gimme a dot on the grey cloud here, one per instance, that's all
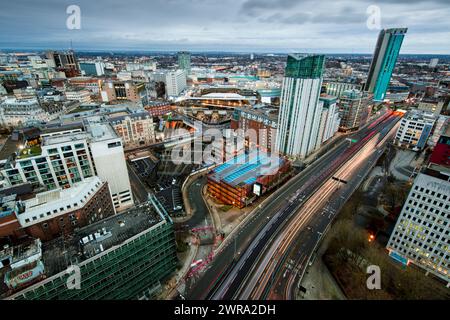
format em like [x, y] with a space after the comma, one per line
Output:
[251, 24]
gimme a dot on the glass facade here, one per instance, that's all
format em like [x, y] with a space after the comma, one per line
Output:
[133, 269]
[304, 66]
[184, 61]
[383, 63]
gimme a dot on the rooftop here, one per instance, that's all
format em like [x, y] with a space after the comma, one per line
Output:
[267, 112]
[246, 168]
[97, 238]
[420, 115]
[17, 255]
[99, 128]
[49, 204]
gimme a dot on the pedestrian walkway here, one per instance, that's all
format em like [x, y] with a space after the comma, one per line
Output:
[180, 275]
[319, 282]
[401, 167]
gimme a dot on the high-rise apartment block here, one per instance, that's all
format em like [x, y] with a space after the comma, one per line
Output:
[354, 108]
[383, 62]
[184, 61]
[329, 120]
[300, 110]
[61, 158]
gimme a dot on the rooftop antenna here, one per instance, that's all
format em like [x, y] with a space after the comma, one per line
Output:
[71, 49]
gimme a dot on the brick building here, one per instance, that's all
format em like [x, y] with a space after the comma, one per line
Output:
[58, 212]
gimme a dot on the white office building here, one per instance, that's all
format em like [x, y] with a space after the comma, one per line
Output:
[414, 130]
[422, 233]
[300, 110]
[175, 81]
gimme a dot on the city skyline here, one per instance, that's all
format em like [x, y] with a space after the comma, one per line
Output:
[225, 150]
[282, 26]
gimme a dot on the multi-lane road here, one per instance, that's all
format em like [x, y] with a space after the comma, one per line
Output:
[238, 270]
[291, 251]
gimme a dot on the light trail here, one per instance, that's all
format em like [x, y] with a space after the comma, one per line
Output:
[257, 284]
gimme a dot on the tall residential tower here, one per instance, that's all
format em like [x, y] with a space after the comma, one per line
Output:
[184, 61]
[300, 110]
[383, 61]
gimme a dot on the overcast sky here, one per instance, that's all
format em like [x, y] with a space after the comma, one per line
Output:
[224, 25]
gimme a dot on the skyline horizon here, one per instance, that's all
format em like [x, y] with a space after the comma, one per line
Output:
[197, 51]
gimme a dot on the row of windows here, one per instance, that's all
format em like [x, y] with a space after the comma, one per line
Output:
[61, 209]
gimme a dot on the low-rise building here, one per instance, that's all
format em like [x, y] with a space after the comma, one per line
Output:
[16, 113]
[431, 105]
[336, 88]
[241, 180]
[174, 80]
[92, 84]
[158, 108]
[330, 120]
[92, 68]
[113, 90]
[50, 214]
[136, 129]
[259, 121]
[20, 266]
[441, 126]
[81, 95]
[441, 152]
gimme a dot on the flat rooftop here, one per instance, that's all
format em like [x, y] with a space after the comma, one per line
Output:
[64, 138]
[100, 129]
[246, 168]
[268, 112]
[98, 237]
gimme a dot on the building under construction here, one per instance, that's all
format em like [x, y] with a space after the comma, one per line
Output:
[125, 256]
[244, 178]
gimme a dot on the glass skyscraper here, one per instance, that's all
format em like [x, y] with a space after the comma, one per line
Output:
[383, 62]
[184, 61]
